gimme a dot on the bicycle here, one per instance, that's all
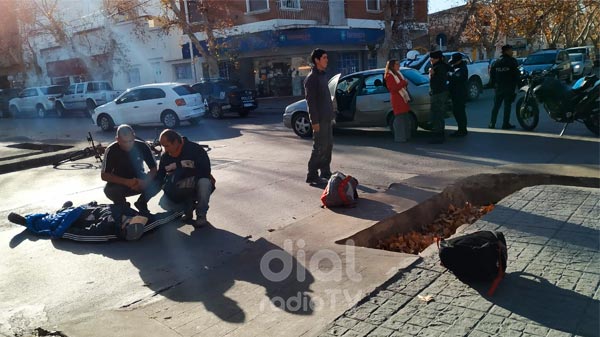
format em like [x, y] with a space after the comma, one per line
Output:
[156, 147]
[95, 150]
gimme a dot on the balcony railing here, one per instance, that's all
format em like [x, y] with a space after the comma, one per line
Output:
[313, 10]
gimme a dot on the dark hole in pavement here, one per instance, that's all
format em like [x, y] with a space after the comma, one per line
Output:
[39, 147]
[482, 189]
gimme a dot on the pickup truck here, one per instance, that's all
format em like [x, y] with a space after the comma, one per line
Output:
[86, 96]
[479, 76]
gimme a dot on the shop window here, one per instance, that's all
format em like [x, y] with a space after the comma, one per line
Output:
[373, 5]
[348, 63]
[290, 4]
[133, 76]
[257, 5]
[183, 71]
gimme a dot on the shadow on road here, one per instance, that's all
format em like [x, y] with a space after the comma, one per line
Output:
[203, 265]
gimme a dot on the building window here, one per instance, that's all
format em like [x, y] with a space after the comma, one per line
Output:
[224, 69]
[133, 76]
[290, 4]
[348, 63]
[195, 8]
[257, 5]
[183, 71]
[373, 5]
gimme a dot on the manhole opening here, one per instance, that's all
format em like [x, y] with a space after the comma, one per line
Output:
[415, 229]
[39, 147]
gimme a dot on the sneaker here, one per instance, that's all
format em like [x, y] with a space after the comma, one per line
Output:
[315, 180]
[187, 216]
[16, 218]
[200, 221]
[507, 126]
[67, 204]
[325, 175]
[142, 208]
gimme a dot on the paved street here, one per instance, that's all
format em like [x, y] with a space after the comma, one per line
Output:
[260, 168]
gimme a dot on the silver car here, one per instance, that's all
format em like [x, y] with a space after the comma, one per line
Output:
[361, 99]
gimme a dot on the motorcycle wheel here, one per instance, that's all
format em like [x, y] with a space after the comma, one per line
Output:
[528, 114]
[593, 123]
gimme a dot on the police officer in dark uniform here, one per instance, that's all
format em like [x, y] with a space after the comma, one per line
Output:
[438, 75]
[504, 75]
[458, 93]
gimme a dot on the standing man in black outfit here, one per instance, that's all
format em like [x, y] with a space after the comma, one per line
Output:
[504, 75]
[458, 93]
[123, 170]
[438, 75]
[320, 111]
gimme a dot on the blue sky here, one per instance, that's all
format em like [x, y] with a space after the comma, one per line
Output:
[438, 5]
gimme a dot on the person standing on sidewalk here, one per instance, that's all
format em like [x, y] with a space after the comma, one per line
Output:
[123, 170]
[320, 111]
[458, 93]
[438, 75]
[396, 84]
[504, 76]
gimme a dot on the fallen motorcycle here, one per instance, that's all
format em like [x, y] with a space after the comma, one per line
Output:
[564, 104]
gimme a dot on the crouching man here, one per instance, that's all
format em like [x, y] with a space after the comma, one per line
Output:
[184, 173]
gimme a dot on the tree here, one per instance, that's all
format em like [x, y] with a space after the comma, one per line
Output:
[398, 19]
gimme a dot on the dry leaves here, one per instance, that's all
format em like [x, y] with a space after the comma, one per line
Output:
[442, 227]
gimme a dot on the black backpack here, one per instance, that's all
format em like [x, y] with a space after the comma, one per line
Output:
[475, 257]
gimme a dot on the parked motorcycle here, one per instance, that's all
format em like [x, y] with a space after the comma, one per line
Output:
[564, 104]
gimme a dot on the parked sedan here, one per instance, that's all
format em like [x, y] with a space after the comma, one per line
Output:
[224, 96]
[361, 99]
[168, 103]
[36, 100]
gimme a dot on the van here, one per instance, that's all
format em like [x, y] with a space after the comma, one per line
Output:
[589, 52]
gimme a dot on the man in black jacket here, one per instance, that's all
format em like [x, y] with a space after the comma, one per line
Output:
[504, 75]
[438, 75]
[458, 93]
[184, 173]
[320, 111]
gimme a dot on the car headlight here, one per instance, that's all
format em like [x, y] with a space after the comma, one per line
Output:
[577, 66]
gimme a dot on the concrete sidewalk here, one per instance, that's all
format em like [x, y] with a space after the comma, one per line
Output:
[551, 287]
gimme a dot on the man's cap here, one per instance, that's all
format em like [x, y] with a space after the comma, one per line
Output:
[436, 54]
[506, 47]
[456, 57]
[133, 231]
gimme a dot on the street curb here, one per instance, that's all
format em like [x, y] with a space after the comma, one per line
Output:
[39, 160]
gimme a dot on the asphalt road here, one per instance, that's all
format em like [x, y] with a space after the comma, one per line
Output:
[260, 167]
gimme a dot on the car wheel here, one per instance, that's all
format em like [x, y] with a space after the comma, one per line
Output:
[105, 123]
[474, 88]
[243, 113]
[60, 110]
[216, 111]
[41, 112]
[170, 119]
[301, 125]
[89, 107]
[13, 111]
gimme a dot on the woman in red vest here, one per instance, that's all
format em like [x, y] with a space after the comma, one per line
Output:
[397, 84]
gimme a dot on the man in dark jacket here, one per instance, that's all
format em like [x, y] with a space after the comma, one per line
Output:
[504, 75]
[438, 75]
[320, 111]
[458, 93]
[184, 173]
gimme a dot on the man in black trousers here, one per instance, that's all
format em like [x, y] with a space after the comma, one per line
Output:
[458, 93]
[504, 76]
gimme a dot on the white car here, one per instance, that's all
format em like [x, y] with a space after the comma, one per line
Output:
[35, 100]
[167, 103]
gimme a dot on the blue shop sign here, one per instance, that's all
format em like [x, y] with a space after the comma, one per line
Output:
[317, 37]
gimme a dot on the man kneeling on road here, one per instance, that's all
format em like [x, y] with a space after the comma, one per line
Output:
[184, 173]
[123, 170]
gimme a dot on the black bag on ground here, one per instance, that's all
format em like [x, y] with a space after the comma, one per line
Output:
[479, 256]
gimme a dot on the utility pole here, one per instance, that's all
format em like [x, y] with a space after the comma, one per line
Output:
[187, 21]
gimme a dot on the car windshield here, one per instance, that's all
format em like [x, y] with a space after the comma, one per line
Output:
[414, 76]
[183, 90]
[540, 59]
[576, 57]
[53, 90]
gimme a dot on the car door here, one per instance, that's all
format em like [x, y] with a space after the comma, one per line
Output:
[372, 101]
[69, 97]
[29, 99]
[150, 106]
[79, 97]
[124, 107]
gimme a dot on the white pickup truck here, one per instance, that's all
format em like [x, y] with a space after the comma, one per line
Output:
[86, 96]
[478, 72]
